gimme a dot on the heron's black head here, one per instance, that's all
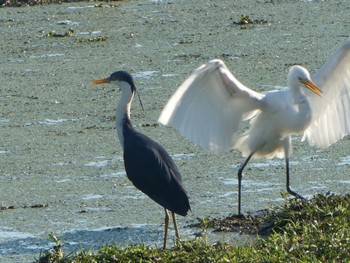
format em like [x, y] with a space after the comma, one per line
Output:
[120, 78]
[122, 75]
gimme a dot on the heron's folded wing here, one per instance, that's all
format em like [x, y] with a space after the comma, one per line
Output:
[209, 106]
[331, 112]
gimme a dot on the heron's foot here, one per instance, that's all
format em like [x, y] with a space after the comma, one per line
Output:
[177, 242]
[290, 191]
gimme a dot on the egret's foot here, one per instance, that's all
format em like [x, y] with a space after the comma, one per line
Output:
[240, 216]
[290, 191]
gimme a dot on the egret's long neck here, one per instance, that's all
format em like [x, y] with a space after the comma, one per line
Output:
[302, 107]
[123, 111]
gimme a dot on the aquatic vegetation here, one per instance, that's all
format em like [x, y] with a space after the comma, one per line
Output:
[70, 32]
[101, 5]
[91, 40]
[246, 21]
[316, 230]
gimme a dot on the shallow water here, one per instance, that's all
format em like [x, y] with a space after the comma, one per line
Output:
[61, 165]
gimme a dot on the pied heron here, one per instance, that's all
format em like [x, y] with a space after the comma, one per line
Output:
[147, 164]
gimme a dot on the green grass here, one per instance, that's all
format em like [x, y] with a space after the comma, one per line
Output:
[316, 230]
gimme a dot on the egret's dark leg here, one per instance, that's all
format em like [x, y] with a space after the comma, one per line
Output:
[290, 191]
[175, 226]
[240, 174]
[166, 228]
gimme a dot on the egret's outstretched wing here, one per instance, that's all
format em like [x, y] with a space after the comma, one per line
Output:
[209, 106]
[331, 112]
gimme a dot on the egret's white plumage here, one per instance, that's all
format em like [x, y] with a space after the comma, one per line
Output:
[331, 115]
[210, 105]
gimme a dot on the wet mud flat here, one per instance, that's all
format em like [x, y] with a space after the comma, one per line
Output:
[61, 164]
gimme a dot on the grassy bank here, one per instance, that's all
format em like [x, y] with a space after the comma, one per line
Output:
[316, 230]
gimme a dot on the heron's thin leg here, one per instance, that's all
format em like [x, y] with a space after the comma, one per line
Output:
[166, 228]
[290, 191]
[240, 174]
[176, 229]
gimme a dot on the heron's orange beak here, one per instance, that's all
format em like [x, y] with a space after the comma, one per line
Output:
[311, 86]
[99, 81]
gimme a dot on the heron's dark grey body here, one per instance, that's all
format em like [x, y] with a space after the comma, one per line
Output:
[150, 168]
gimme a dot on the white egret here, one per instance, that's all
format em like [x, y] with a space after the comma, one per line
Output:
[210, 105]
[147, 164]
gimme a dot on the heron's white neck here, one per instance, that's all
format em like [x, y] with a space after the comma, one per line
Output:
[123, 110]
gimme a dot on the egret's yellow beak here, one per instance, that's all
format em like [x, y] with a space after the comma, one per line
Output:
[311, 86]
[99, 81]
